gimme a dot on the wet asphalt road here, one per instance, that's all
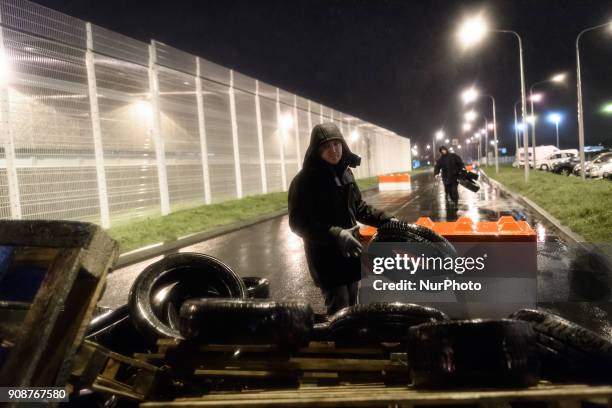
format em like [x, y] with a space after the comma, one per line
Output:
[271, 250]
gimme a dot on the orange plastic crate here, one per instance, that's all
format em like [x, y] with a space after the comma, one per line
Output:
[506, 229]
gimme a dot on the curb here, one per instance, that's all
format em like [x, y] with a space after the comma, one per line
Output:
[161, 248]
[565, 232]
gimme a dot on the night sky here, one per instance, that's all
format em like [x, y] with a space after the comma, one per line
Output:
[393, 63]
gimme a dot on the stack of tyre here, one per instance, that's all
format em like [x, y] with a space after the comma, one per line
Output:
[199, 299]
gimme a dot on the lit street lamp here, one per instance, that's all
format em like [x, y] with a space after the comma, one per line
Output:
[439, 135]
[467, 127]
[471, 32]
[555, 118]
[534, 97]
[579, 88]
[469, 96]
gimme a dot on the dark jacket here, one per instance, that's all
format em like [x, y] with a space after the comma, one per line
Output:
[450, 164]
[323, 200]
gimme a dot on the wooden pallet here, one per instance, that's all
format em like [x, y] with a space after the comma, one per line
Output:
[104, 371]
[320, 362]
[76, 257]
[378, 395]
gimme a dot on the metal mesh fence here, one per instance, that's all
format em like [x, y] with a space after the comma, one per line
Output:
[97, 126]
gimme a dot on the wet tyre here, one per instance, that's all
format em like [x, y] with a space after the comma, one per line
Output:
[426, 242]
[569, 352]
[473, 353]
[400, 231]
[375, 323]
[257, 288]
[234, 321]
[159, 291]
[114, 330]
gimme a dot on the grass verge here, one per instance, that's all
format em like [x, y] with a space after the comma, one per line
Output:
[585, 207]
[150, 230]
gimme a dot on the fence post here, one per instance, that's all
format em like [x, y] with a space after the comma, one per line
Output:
[309, 120]
[297, 133]
[96, 129]
[281, 140]
[202, 131]
[6, 135]
[160, 150]
[262, 157]
[235, 136]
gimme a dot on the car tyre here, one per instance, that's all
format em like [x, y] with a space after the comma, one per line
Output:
[257, 288]
[236, 321]
[587, 350]
[476, 353]
[163, 286]
[375, 323]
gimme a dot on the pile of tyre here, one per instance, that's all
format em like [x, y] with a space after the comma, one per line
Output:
[200, 300]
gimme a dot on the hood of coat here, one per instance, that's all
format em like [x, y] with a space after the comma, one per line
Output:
[323, 133]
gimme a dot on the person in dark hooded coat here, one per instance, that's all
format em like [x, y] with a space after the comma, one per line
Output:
[324, 207]
[451, 165]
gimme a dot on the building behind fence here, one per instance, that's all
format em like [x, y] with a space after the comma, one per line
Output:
[98, 126]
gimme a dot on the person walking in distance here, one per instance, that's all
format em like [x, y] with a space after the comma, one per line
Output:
[450, 164]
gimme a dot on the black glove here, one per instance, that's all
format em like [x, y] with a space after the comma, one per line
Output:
[349, 245]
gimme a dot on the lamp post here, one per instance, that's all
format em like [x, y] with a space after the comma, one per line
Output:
[558, 78]
[470, 95]
[555, 118]
[579, 92]
[471, 32]
[516, 129]
[439, 135]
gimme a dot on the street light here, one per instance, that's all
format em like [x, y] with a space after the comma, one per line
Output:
[556, 119]
[470, 116]
[439, 135]
[534, 97]
[467, 127]
[579, 88]
[469, 96]
[607, 108]
[473, 31]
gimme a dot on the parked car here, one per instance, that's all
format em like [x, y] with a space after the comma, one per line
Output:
[549, 161]
[600, 165]
[589, 155]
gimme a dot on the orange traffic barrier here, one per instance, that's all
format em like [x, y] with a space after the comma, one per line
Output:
[506, 229]
[394, 178]
[392, 182]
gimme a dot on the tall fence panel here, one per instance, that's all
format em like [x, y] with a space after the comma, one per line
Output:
[126, 120]
[98, 126]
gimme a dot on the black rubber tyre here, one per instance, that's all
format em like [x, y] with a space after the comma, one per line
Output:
[161, 288]
[115, 331]
[581, 354]
[375, 323]
[106, 319]
[400, 231]
[257, 288]
[473, 353]
[427, 242]
[233, 321]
